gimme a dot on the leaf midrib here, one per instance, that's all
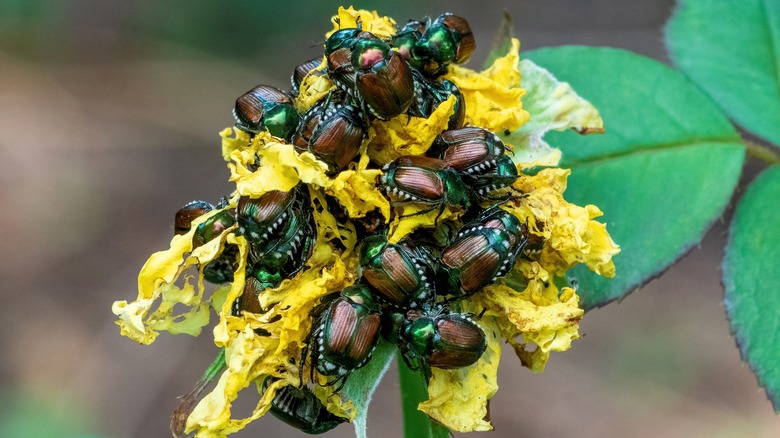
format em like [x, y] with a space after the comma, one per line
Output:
[773, 36]
[653, 148]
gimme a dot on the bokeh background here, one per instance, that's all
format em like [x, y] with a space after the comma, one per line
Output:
[109, 114]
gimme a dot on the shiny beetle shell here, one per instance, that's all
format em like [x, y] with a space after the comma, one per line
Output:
[383, 79]
[503, 175]
[338, 56]
[398, 275]
[301, 409]
[213, 227]
[405, 39]
[430, 93]
[260, 218]
[445, 340]
[266, 107]
[423, 180]
[475, 259]
[191, 211]
[346, 332]
[469, 150]
[300, 72]
[287, 252]
[447, 39]
[333, 132]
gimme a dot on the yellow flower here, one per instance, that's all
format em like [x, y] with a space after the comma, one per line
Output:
[525, 308]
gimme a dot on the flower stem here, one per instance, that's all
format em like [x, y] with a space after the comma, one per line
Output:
[766, 154]
[414, 389]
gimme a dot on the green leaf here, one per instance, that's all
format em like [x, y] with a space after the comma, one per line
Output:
[502, 42]
[731, 48]
[662, 173]
[414, 390]
[750, 278]
[362, 383]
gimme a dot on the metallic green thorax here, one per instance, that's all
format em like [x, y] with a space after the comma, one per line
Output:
[280, 119]
[213, 227]
[441, 339]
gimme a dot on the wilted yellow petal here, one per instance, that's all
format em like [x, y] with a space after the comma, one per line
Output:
[280, 168]
[571, 235]
[410, 218]
[314, 87]
[493, 96]
[553, 105]
[407, 135]
[156, 280]
[233, 140]
[370, 21]
[537, 314]
[356, 190]
[458, 398]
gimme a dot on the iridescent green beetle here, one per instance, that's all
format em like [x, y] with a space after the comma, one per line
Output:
[301, 409]
[405, 39]
[430, 93]
[263, 217]
[383, 79]
[287, 252]
[436, 338]
[266, 107]
[344, 333]
[447, 39]
[400, 275]
[333, 131]
[191, 211]
[221, 269]
[423, 180]
[475, 259]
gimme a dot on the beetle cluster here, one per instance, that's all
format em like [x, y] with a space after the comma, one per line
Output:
[408, 292]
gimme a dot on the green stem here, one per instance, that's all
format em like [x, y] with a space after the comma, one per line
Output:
[414, 389]
[766, 154]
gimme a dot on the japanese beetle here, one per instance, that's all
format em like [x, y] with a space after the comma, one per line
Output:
[430, 93]
[476, 258]
[257, 280]
[191, 211]
[288, 252]
[260, 218]
[405, 39]
[333, 131]
[345, 332]
[440, 339]
[400, 275]
[447, 39]
[301, 409]
[423, 180]
[495, 217]
[213, 227]
[266, 107]
[338, 56]
[470, 150]
[382, 78]
[503, 175]
[300, 72]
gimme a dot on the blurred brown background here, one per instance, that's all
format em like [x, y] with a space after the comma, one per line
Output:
[109, 114]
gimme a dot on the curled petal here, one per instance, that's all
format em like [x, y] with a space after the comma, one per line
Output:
[553, 105]
[370, 21]
[156, 282]
[493, 96]
[407, 135]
